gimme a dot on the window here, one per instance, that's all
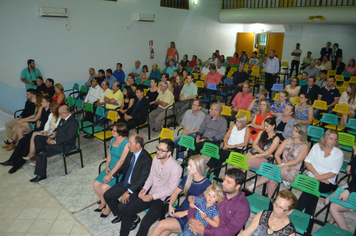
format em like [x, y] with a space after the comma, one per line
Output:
[180, 4]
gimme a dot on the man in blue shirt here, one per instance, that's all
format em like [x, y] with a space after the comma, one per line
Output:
[330, 95]
[119, 73]
[30, 74]
[110, 78]
[171, 68]
[137, 70]
[271, 70]
[155, 74]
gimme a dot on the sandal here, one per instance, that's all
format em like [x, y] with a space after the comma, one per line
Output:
[8, 142]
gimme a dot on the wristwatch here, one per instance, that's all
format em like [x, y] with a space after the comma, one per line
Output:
[128, 192]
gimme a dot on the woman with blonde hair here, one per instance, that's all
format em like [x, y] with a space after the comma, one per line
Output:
[277, 107]
[193, 184]
[257, 124]
[323, 162]
[59, 96]
[349, 98]
[289, 157]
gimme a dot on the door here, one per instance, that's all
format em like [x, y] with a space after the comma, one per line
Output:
[245, 43]
[275, 41]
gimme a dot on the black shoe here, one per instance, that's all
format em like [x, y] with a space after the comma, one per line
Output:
[116, 220]
[182, 149]
[38, 179]
[99, 210]
[135, 223]
[7, 163]
[102, 215]
[88, 136]
[36, 157]
[12, 170]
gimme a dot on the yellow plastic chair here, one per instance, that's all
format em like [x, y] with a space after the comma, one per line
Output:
[145, 92]
[319, 104]
[185, 81]
[202, 77]
[276, 97]
[246, 68]
[299, 77]
[284, 66]
[257, 68]
[345, 84]
[331, 73]
[352, 80]
[226, 111]
[244, 112]
[341, 89]
[200, 84]
[166, 134]
[296, 101]
[317, 78]
[231, 72]
[196, 75]
[339, 78]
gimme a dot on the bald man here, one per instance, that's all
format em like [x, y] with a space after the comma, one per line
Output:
[137, 70]
[155, 73]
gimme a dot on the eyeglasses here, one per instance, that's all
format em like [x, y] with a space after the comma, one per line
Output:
[279, 207]
[160, 150]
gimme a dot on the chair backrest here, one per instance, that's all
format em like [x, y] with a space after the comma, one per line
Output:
[306, 184]
[147, 82]
[210, 150]
[331, 72]
[244, 112]
[211, 86]
[228, 81]
[235, 66]
[339, 78]
[276, 97]
[319, 104]
[79, 103]
[296, 101]
[189, 69]
[246, 68]
[255, 68]
[123, 86]
[238, 160]
[84, 89]
[349, 203]
[330, 119]
[145, 92]
[225, 64]
[112, 115]
[351, 124]
[341, 89]
[255, 73]
[166, 134]
[199, 84]
[315, 131]
[346, 139]
[228, 58]
[196, 75]
[70, 101]
[202, 77]
[187, 142]
[138, 81]
[270, 171]
[226, 111]
[341, 108]
[284, 64]
[89, 107]
[100, 111]
[345, 84]
[75, 86]
[346, 74]
[159, 69]
[277, 87]
[352, 80]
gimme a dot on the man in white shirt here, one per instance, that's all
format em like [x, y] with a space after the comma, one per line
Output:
[94, 92]
[296, 59]
[206, 68]
[271, 69]
[214, 59]
[220, 69]
[254, 60]
[105, 87]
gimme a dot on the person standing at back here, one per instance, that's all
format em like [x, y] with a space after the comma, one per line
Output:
[30, 74]
[271, 69]
[296, 59]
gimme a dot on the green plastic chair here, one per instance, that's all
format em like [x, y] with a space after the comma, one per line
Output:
[329, 119]
[238, 160]
[138, 81]
[79, 105]
[259, 202]
[122, 87]
[189, 69]
[88, 108]
[351, 124]
[235, 66]
[76, 87]
[226, 64]
[147, 82]
[84, 89]
[331, 230]
[187, 142]
[92, 128]
[315, 133]
[346, 141]
[210, 150]
[303, 222]
[159, 69]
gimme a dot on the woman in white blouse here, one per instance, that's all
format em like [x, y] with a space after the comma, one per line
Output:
[324, 162]
[293, 89]
[349, 98]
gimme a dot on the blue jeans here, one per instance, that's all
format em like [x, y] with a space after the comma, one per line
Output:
[317, 112]
[176, 140]
[188, 232]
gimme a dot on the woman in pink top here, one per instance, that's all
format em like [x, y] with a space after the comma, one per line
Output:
[234, 60]
[172, 51]
[351, 67]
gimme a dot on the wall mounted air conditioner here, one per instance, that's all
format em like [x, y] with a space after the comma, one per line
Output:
[145, 17]
[53, 12]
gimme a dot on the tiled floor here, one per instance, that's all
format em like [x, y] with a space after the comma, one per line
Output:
[63, 205]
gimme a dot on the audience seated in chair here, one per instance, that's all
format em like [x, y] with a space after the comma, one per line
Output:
[349, 98]
[184, 62]
[145, 75]
[171, 68]
[59, 96]
[206, 69]
[101, 76]
[114, 99]
[105, 91]
[164, 101]
[264, 145]
[311, 89]
[187, 94]
[119, 74]
[304, 111]
[40, 85]
[155, 73]
[323, 79]
[92, 75]
[239, 77]
[242, 100]
[293, 89]
[255, 104]
[177, 88]
[214, 60]
[198, 68]
[65, 133]
[110, 78]
[323, 163]
[165, 78]
[49, 88]
[116, 157]
[307, 60]
[289, 157]
[285, 123]
[351, 67]
[128, 101]
[193, 62]
[162, 181]
[136, 70]
[93, 96]
[234, 60]
[304, 79]
[152, 94]
[312, 70]
[212, 129]
[220, 69]
[257, 124]
[131, 82]
[330, 94]
[338, 66]
[192, 185]
[326, 64]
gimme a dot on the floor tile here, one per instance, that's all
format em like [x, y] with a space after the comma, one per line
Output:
[11, 212]
[49, 213]
[41, 226]
[29, 213]
[19, 226]
[62, 226]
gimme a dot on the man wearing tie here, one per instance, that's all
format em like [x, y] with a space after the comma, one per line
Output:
[311, 89]
[337, 52]
[65, 132]
[135, 171]
[137, 113]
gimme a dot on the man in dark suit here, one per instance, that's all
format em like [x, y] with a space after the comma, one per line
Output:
[326, 51]
[337, 52]
[138, 112]
[311, 89]
[65, 132]
[135, 171]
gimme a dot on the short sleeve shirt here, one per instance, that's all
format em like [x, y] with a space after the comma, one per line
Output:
[189, 90]
[329, 95]
[118, 96]
[30, 76]
[166, 97]
[211, 211]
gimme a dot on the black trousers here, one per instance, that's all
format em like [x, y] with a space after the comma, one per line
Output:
[270, 80]
[308, 202]
[111, 196]
[22, 149]
[41, 145]
[131, 124]
[296, 65]
[129, 214]
[224, 154]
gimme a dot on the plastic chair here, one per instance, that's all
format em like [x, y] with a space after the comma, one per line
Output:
[345, 84]
[189, 69]
[138, 81]
[72, 152]
[331, 120]
[196, 76]
[88, 108]
[315, 133]
[166, 134]
[187, 142]
[92, 128]
[303, 222]
[244, 112]
[352, 80]
[235, 66]
[202, 77]
[295, 101]
[75, 88]
[277, 87]
[341, 108]
[225, 64]
[319, 104]
[276, 97]
[228, 58]
[351, 124]
[227, 82]
[330, 73]
[147, 83]
[339, 78]
[145, 92]
[349, 203]
[208, 100]
[226, 111]
[210, 150]
[84, 89]
[259, 202]
[238, 160]
[200, 84]
[231, 72]
[346, 141]
[255, 84]
[331, 230]
[341, 89]
[79, 104]
[346, 74]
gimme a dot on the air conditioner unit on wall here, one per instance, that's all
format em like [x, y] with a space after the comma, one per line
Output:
[53, 12]
[145, 17]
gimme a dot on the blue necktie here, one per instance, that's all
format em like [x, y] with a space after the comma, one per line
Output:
[136, 106]
[128, 173]
[308, 90]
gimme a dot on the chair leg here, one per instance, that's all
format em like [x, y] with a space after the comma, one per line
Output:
[81, 159]
[65, 164]
[149, 132]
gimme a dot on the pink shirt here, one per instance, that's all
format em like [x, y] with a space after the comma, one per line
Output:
[350, 69]
[213, 78]
[242, 101]
[163, 178]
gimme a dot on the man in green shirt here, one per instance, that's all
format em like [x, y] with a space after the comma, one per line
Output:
[307, 60]
[30, 74]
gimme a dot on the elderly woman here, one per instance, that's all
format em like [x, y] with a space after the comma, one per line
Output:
[193, 184]
[254, 105]
[323, 162]
[257, 125]
[304, 111]
[289, 157]
[277, 107]
[275, 222]
[115, 158]
[336, 210]
[264, 145]
[285, 122]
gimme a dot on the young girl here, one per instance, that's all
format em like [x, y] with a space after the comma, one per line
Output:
[207, 204]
